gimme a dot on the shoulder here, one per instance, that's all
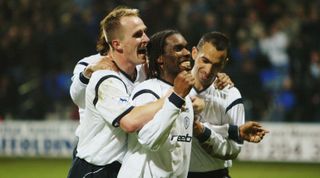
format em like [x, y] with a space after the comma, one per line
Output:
[102, 75]
[232, 92]
[89, 60]
[233, 97]
[149, 86]
[227, 94]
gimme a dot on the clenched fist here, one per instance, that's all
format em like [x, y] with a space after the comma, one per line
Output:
[183, 83]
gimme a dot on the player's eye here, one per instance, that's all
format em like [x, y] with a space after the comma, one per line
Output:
[138, 34]
[178, 48]
[205, 60]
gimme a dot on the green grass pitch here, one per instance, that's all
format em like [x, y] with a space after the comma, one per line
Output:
[58, 168]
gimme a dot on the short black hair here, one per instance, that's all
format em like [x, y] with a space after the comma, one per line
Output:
[156, 49]
[217, 39]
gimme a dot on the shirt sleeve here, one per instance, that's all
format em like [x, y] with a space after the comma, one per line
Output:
[217, 140]
[219, 129]
[111, 99]
[218, 146]
[79, 85]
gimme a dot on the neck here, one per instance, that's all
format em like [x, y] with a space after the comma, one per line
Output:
[168, 78]
[198, 86]
[125, 65]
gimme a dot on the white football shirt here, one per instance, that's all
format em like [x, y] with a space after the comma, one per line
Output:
[162, 147]
[79, 84]
[222, 107]
[101, 141]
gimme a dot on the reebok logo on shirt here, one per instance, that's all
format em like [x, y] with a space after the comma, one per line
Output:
[181, 138]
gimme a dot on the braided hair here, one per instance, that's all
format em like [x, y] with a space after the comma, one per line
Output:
[155, 50]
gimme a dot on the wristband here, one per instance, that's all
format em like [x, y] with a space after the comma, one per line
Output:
[205, 135]
[83, 78]
[176, 100]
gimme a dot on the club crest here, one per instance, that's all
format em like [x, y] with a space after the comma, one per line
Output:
[186, 122]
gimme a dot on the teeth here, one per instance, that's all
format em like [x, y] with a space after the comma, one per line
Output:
[185, 65]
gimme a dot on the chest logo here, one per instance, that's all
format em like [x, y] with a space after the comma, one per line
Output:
[186, 122]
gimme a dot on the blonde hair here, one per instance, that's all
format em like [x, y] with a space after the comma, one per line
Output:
[109, 27]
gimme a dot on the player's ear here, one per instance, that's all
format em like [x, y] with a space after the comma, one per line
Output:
[160, 60]
[117, 45]
[225, 61]
[194, 52]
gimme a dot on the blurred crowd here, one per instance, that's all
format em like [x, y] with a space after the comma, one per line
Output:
[274, 57]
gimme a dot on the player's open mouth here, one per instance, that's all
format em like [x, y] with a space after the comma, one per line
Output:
[185, 63]
[142, 50]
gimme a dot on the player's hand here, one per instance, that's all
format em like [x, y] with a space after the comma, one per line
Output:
[198, 128]
[183, 83]
[223, 80]
[198, 104]
[252, 132]
[105, 63]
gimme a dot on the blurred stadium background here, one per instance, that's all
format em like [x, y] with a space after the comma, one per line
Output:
[275, 63]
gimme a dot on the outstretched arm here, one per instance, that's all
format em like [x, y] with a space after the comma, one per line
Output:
[79, 85]
[221, 141]
[215, 144]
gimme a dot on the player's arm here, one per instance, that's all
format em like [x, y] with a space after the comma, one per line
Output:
[82, 74]
[249, 131]
[217, 145]
[214, 143]
[145, 104]
[235, 132]
[136, 118]
[156, 131]
[112, 102]
[79, 84]
[238, 130]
